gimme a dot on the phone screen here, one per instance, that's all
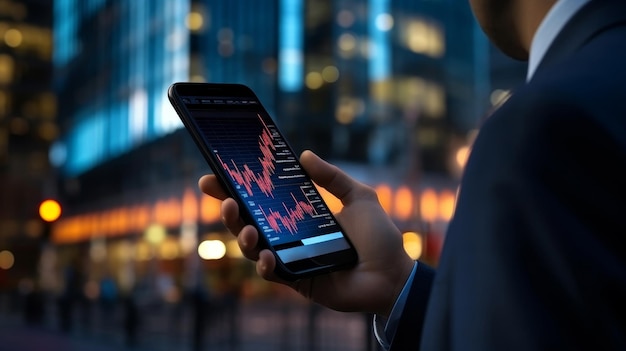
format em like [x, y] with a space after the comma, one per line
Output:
[254, 161]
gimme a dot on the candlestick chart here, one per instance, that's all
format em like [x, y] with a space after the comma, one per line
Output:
[267, 176]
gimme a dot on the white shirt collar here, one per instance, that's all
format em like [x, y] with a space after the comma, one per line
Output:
[549, 28]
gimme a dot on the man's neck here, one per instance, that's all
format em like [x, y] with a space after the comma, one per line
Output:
[531, 14]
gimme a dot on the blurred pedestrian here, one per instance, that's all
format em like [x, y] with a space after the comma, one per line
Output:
[200, 301]
[108, 299]
[34, 303]
[131, 320]
[71, 295]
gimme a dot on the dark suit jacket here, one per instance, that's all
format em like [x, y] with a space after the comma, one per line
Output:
[534, 257]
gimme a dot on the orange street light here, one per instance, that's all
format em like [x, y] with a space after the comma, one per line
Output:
[50, 210]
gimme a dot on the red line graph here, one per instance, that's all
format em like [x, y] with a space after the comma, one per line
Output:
[290, 221]
[246, 177]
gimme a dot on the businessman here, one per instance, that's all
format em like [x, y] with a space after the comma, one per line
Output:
[534, 257]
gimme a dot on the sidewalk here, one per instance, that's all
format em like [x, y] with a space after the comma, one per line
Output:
[25, 338]
[259, 327]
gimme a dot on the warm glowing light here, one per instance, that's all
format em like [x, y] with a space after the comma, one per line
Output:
[403, 204]
[499, 96]
[169, 250]
[143, 252]
[197, 78]
[168, 212]
[188, 237]
[6, 260]
[334, 204]
[155, 234]
[33, 228]
[48, 131]
[413, 244]
[124, 251]
[98, 250]
[447, 201]
[7, 65]
[330, 74]
[140, 217]
[194, 21]
[190, 206]
[233, 250]
[429, 205]
[425, 38]
[462, 154]
[210, 209]
[345, 113]
[50, 210]
[13, 37]
[384, 197]
[211, 249]
[314, 80]
[347, 42]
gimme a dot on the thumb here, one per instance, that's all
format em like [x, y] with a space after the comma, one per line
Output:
[333, 179]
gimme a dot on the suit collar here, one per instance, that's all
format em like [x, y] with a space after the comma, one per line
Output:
[550, 27]
[590, 20]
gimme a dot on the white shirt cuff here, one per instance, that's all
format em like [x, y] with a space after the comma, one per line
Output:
[385, 328]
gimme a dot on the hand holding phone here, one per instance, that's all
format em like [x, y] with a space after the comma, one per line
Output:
[383, 267]
[255, 165]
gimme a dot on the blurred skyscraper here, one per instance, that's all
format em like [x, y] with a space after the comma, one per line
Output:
[27, 127]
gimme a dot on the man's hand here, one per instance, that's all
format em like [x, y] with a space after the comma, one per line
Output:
[374, 283]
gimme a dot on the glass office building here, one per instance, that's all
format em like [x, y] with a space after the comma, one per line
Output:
[114, 60]
[356, 73]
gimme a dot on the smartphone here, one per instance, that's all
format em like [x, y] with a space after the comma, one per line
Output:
[256, 166]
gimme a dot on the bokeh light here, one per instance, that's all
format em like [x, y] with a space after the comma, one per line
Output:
[50, 210]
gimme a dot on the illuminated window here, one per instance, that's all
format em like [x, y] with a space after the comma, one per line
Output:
[379, 50]
[47, 106]
[194, 21]
[7, 67]
[4, 103]
[290, 57]
[13, 37]
[424, 95]
[347, 44]
[423, 36]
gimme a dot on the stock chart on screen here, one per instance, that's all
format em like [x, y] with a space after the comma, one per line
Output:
[268, 177]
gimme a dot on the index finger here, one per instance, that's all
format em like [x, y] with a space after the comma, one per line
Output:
[211, 186]
[333, 179]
